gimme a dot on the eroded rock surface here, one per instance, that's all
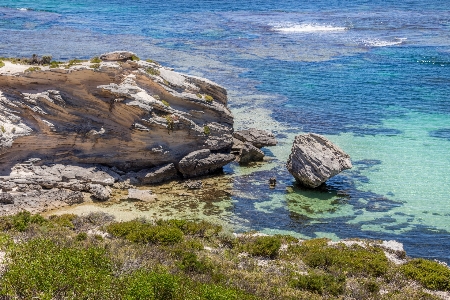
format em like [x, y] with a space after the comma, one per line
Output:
[314, 159]
[131, 115]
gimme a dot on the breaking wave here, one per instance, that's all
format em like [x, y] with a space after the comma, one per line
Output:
[308, 27]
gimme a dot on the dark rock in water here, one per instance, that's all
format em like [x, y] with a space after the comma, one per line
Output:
[157, 174]
[193, 184]
[249, 153]
[202, 162]
[314, 160]
[258, 138]
[117, 56]
[6, 198]
[272, 181]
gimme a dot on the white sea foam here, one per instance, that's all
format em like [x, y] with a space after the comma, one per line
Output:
[23, 9]
[382, 43]
[307, 27]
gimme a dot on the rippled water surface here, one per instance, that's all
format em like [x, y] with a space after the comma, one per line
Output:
[374, 77]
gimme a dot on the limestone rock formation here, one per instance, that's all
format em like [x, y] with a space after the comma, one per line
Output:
[74, 131]
[131, 115]
[258, 138]
[314, 159]
[202, 162]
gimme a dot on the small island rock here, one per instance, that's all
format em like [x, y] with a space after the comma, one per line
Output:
[314, 159]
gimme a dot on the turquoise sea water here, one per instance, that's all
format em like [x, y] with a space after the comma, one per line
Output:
[374, 77]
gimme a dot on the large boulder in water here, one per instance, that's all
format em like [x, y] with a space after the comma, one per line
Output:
[314, 160]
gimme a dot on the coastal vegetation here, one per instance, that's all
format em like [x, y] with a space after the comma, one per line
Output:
[206, 130]
[152, 71]
[32, 69]
[2, 64]
[95, 60]
[94, 257]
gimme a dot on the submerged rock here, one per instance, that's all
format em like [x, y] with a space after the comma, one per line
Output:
[314, 159]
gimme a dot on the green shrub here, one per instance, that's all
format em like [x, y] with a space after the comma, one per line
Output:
[152, 61]
[430, 274]
[95, 66]
[73, 62]
[21, 221]
[82, 236]
[199, 96]
[56, 272]
[95, 60]
[200, 228]
[3, 129]
[354, 259]
[209, 99]
[54, 64]
[170, 123]
[6, 241]
[165, 103]
[191, 264]
[152, 71]
[65, 220]
[267, 246]
[206, 130]
[217, 292]
[320, 283]
[32, 69]
[2, 64]
[143, 284]
[138, 232]
[135, 58]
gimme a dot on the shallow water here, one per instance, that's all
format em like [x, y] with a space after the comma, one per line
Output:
[373, 77]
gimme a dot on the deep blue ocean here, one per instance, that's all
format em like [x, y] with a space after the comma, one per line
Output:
[372, 76]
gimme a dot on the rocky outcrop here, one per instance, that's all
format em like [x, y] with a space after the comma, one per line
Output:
[117, 56]
[74, 131]
[256, 137]
[202, 162]
[131, 115]
[314, 160]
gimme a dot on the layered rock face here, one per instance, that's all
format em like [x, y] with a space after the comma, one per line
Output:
[314, 160]
[136, 119]
[130, 115]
